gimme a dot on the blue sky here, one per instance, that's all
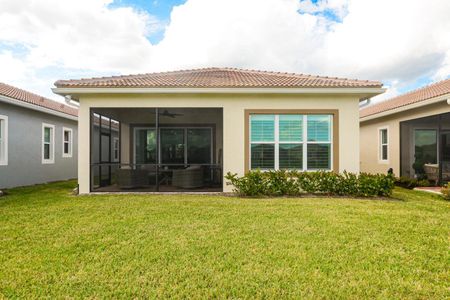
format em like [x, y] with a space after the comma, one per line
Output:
[43, 41]
[158, 8]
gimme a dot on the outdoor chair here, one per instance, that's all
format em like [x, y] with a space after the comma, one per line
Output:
[189, 178]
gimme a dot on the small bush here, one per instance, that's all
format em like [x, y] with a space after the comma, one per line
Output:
[293, 183]
[424, 183]
[252, 184]
[446, 191]
[406, 182]
[410, 183]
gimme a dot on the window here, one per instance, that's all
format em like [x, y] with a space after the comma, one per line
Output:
[199, 145]
[3, 140]
[48, 144]
[383, 150]
[290, 141]
[319, 142]
[425, 147]
[262, 147]
[67, 142]
[178, 145]
[116, 149]
[144, 146]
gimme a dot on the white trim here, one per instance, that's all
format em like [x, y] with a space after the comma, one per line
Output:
[36, 107]
[51, 160]
[366, 92]
[277, 142]
[116, 139]
[4, 141]
[406, 107]
[67, 155]
[305, 142]
[380, 145]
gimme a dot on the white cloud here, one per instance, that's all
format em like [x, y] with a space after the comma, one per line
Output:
[72, 35]
[394, 41]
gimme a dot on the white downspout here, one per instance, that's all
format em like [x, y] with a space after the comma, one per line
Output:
[69, 101]
[365, 103]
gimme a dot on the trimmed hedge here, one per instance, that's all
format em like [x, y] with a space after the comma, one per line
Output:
[294, 183]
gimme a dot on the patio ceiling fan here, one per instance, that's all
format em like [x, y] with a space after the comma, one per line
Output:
[166, 113]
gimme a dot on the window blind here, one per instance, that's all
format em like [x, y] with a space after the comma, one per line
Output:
[319, 128]
[262, 128]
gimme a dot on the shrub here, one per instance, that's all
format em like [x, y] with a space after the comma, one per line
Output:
[410, 183]
[424, 182]
[252, 184]
[293, 183]
[406, 182]
[446, 191]
[280, 183]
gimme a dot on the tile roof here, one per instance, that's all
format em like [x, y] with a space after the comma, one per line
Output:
[24, 96]
[422, 94]
[219, 78]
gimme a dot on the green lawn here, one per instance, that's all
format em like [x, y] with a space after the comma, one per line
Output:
[145, 246]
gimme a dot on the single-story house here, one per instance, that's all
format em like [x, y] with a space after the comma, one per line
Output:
[38, 139]
[409, 133]
[183, 130]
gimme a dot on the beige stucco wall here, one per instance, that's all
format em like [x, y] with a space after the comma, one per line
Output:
[369, 149]
[233, 122]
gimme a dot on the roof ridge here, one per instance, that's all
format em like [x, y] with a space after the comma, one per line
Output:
[234, 69]
[138, 75]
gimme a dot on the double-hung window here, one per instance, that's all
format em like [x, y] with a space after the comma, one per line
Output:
[319, 142]
[67, 142]
[3, 140]
[48, 143]
[290, 141]
[384, 144]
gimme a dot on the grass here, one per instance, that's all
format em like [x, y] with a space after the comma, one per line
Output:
[54, 245]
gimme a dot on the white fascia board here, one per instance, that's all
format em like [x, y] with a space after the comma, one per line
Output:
[36, 107]
[367, 92]
[407, 107]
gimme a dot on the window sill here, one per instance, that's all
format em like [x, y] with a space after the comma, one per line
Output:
[48, 162]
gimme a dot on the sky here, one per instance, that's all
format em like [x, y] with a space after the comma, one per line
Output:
[403, 43]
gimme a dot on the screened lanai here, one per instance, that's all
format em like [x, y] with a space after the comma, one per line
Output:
[156, 149]
[425, 148]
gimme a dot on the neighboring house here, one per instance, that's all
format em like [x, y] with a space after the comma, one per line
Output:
[183, 130]
[409, 133]
[38, 139]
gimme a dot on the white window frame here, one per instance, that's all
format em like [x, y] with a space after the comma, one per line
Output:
[116, 143]
[51, 160]
[4, 141]
[304, 141]
[70, 142]
[381, 144]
